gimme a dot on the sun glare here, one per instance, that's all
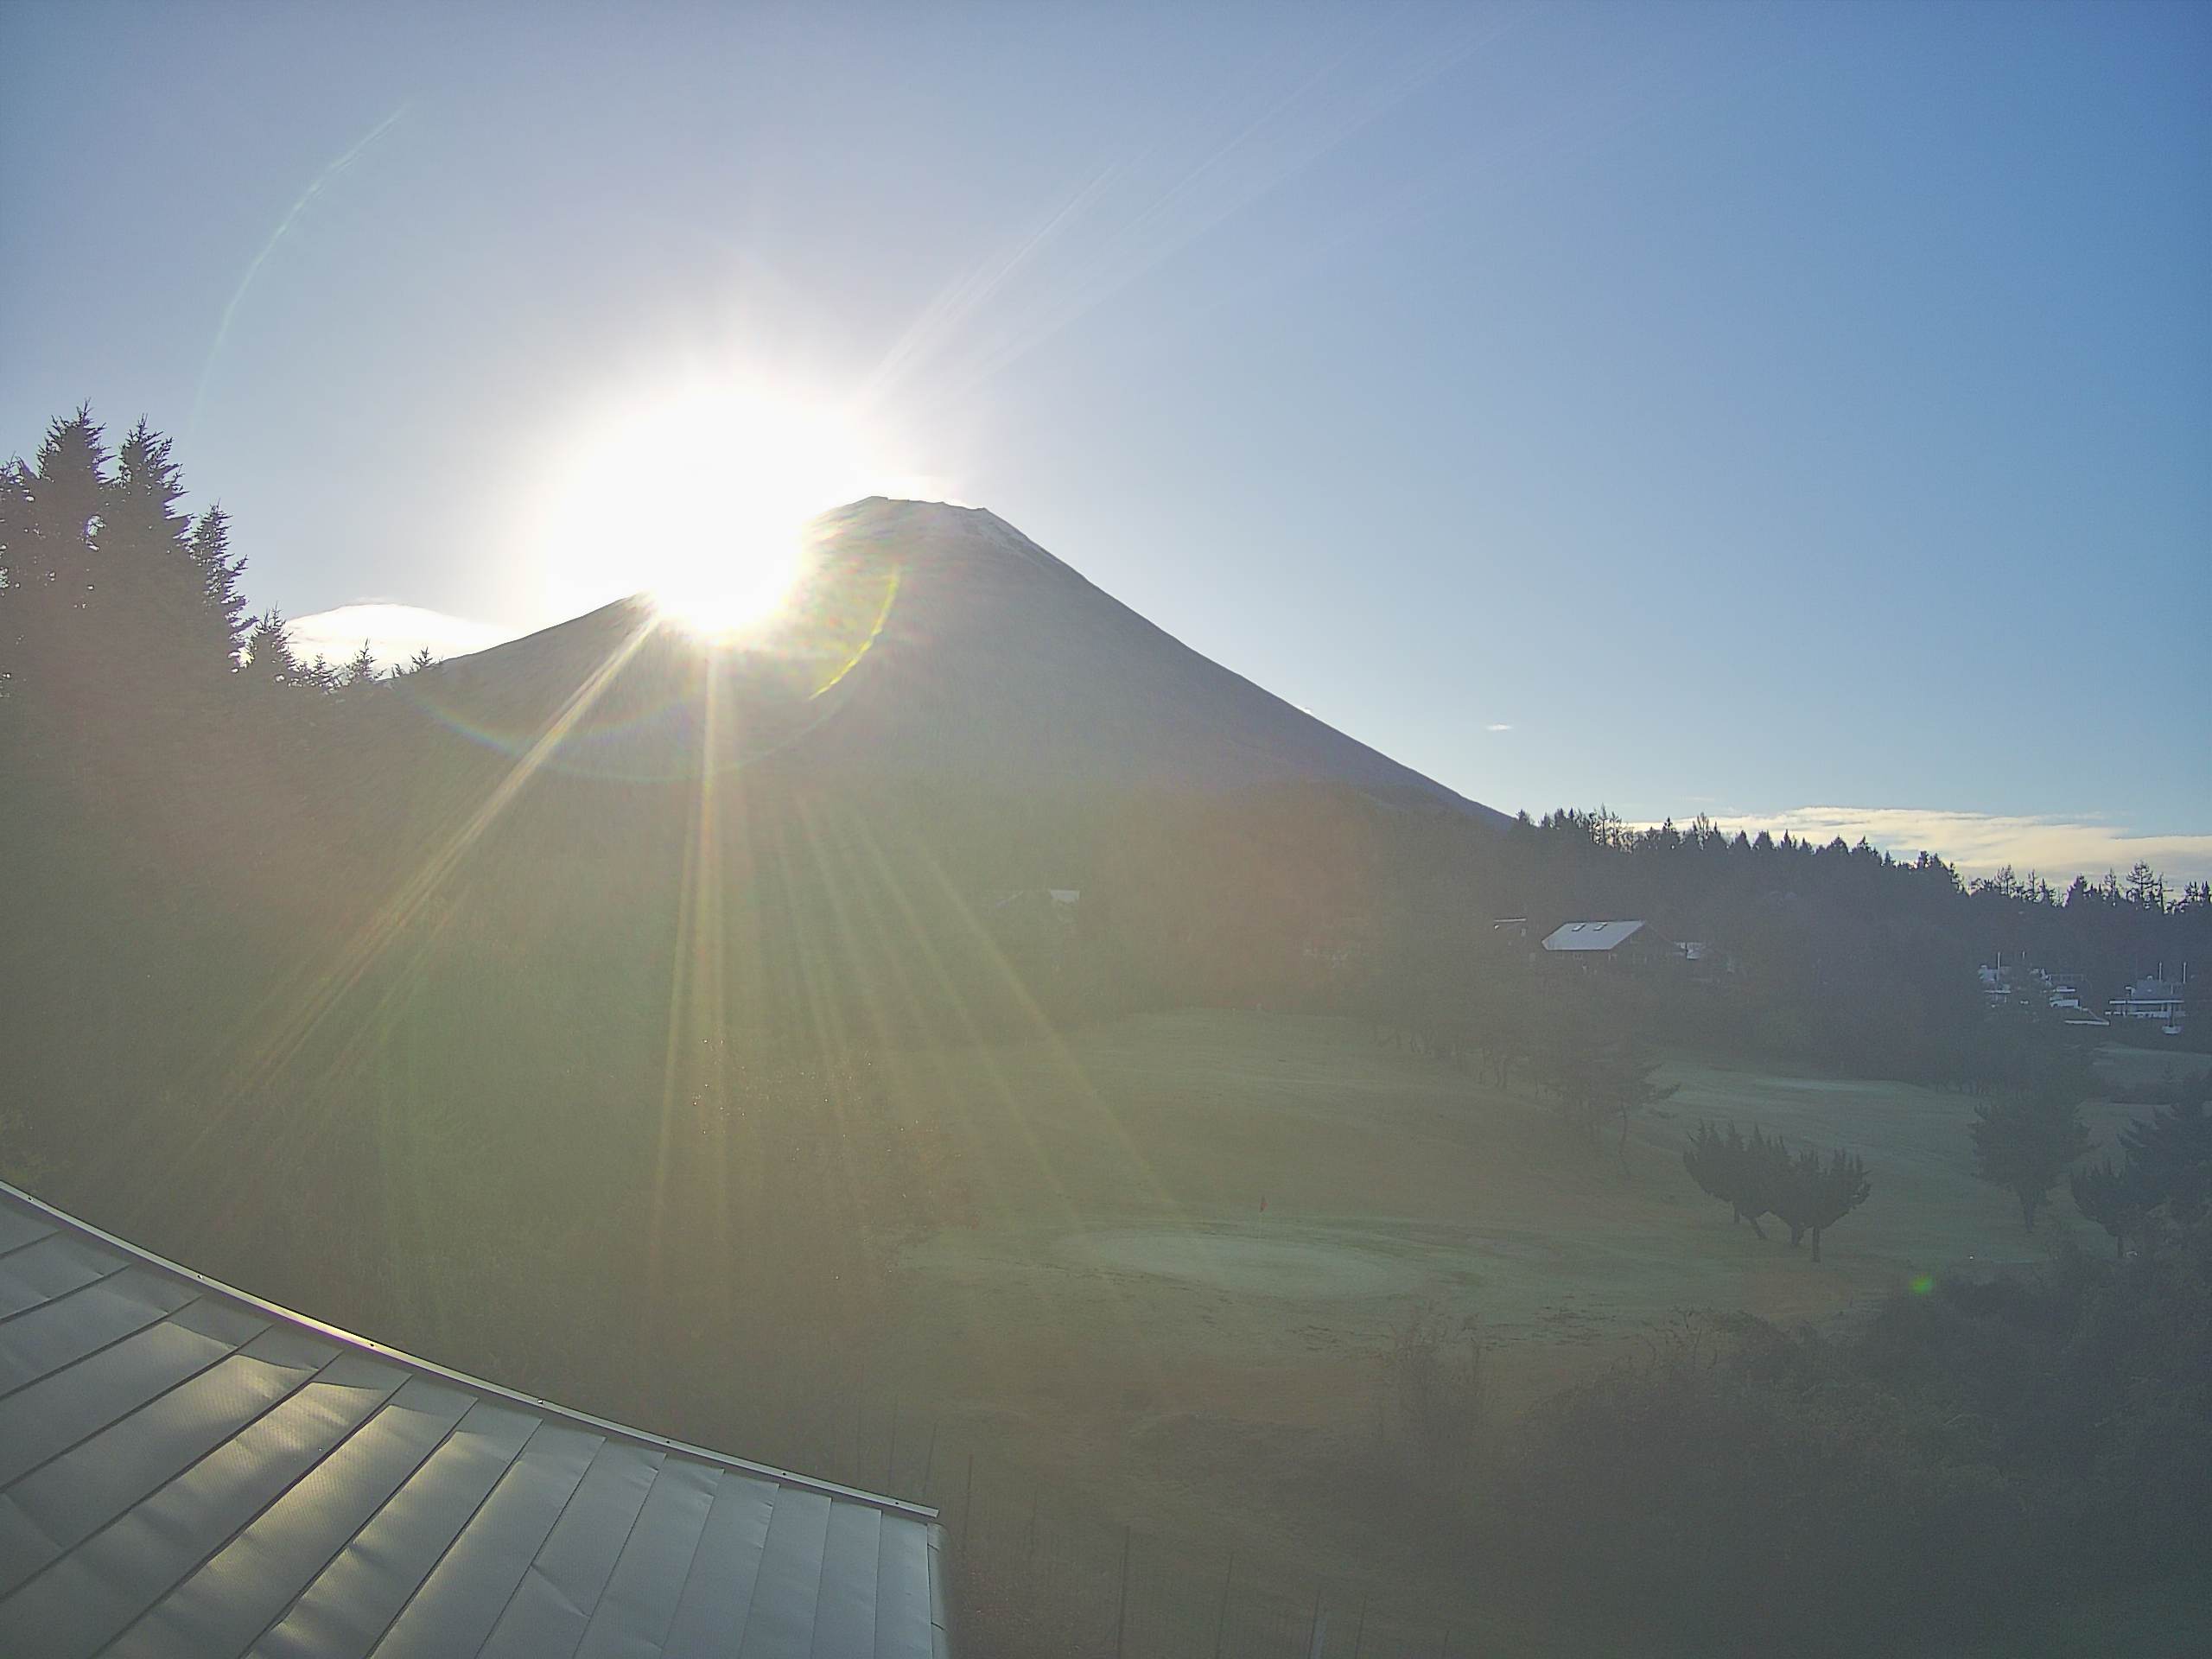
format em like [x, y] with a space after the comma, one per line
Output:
[699, 497]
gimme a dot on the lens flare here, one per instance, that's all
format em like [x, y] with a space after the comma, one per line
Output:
[699, 495]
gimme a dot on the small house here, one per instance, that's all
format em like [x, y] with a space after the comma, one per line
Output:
[1594, 945]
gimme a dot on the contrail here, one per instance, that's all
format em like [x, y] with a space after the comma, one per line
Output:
[315, 189]
[950, 308]
[1264, 147]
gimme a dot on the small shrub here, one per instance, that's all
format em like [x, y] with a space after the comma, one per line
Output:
[1436, 1403]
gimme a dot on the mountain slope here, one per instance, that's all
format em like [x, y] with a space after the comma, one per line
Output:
[936, 642]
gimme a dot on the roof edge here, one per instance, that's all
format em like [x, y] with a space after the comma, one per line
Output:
[369, 1345]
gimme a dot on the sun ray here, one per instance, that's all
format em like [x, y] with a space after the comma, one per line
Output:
[1012, 1108]
[693, 1035]
[1056, 1044]
[293, 1017]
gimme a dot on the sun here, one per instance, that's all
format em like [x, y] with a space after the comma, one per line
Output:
[699, 495]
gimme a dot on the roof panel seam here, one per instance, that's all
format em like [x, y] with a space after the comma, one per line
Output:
[196, 1372]
[415, 1469]
[34, 1238]
[163, 1318]
[531, 1566]
[691, 1564]
[99, 1279]
[691, 1567]
[228, 1440]
[461, 1532]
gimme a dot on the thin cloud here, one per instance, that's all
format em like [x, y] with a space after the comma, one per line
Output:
[1499, 726]
[1980, 843]
[394, 632]
[253, 269]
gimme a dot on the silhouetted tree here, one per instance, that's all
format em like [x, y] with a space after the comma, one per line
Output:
[1745, 1175]
[1714, 1160]
[138, 505]
[1766, 1164]
[149, 601]
[1625, 1088]
[1568, 1063]
[223, 603]
[1811, 1193]
[47, 516]
[2024, 1143]
[2112, 1197]
[269, 662]
[2169, 1157]
[106, 588]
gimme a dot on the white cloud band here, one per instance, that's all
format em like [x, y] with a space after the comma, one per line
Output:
[394, 632]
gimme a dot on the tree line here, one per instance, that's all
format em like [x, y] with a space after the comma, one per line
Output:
[1838, 955]
[108, 591]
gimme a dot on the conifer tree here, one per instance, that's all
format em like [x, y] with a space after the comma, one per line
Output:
[16, 568]
[2113, 1197]
[268, 659]
[147, 599]
[49, 513]
[217, 569]
[2169, 1155]
[2024, 1144]
[53, 507]
[138, 503]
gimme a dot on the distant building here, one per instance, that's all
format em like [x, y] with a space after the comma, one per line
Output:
[1603, 936]
[189, 1470]
[1609, 945]
[2005, 982]
[2149, 998]
[2065, 988]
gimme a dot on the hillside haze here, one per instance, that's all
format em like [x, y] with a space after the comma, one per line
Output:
[928, 642]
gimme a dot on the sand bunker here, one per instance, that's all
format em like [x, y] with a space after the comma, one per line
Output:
[1265, 1266]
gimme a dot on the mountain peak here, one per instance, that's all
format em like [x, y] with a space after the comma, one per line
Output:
[941, 527]
[961, 653]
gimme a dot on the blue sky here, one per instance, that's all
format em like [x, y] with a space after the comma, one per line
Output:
[1774, 412]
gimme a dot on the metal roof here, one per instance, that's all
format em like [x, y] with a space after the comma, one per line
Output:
[1589, 936]
[187, 1469]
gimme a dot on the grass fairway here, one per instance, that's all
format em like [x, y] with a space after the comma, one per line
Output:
[1124, 1316]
